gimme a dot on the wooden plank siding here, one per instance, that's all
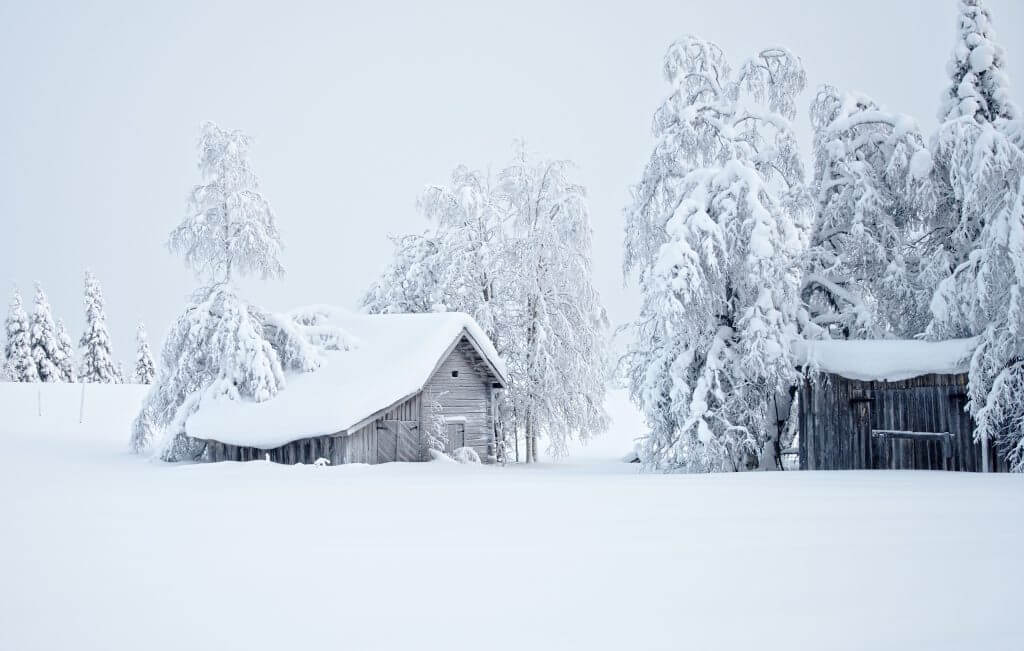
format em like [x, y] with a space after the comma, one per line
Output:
[466, 396]
[838, 417]
[394, 431]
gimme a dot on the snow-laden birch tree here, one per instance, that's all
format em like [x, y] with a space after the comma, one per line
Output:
[21, 367]
[715, 231]
[558, 354]
[222, 347]
[515, 255]
[984, 295]
[865, 275]
[97, 358]
[46, 351]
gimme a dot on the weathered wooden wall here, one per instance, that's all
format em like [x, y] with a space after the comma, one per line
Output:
[466, 396]
[394, 435]
[362, 446]
[837, 417]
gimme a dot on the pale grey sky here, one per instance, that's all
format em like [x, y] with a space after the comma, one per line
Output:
[356, 106]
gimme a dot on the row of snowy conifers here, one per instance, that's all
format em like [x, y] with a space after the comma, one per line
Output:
[39, 350]
[895, 235]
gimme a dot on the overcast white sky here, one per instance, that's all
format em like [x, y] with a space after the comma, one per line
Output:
[356, 106]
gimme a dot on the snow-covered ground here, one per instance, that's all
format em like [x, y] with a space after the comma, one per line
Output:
[102, 550]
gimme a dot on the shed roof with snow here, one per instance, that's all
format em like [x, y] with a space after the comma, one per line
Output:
[393, 358]
[885, 360]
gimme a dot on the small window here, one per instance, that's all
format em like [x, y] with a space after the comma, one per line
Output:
[455, 374]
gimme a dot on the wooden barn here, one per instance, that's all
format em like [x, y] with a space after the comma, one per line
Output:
[370, 404]
[888, 405]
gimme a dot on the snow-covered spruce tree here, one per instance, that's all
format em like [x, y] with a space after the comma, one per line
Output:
[97, 359]
[66, 362]
[222, 347]
[559, 349]
[145, 371]
[21, 367]
[978, 88]
[715, 231]
[864, 272]
[46, 350]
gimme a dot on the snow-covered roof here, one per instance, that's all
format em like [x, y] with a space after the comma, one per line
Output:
[393, 358]
[885, 359]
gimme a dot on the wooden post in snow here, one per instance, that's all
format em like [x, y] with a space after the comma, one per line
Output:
[81, 406]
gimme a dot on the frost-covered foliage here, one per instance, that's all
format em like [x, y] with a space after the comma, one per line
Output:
[984, 295]
[714, 232]
[556, 340]
[466, 456]
[865, 275]
[516, 255]
[412, 281]
[222, 347]
[46, 350]
[21, 367]
[435, 433]
[979, 88]
[97, 359]
[145, 370]
[229, 227]
[66, 361]
[978, 231]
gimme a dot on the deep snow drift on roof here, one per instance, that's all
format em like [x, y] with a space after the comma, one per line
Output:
[392, 358]
[885, 359]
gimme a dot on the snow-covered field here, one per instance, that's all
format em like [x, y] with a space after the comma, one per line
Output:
[102, 550]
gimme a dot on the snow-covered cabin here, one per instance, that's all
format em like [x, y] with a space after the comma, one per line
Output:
[888, 404]
[369, 404]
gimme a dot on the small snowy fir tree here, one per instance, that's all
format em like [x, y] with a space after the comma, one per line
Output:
[145, 371]
[435, 441]
[66, 362]
[715, 231]
[864, 273]
[222, 347]
[97, 359]
[979, 88]
[46, 350]
[21, 367]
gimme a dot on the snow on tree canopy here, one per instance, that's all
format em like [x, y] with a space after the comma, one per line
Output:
[393, 356]
[230, 227]
[885, 360]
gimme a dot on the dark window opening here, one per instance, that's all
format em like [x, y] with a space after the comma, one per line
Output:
[455, 374]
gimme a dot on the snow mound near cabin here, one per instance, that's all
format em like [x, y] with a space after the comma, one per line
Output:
[392, 358]
[889, 360]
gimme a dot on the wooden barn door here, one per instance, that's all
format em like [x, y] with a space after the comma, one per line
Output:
[456, 436]
[387, 442]
[408, 440]
[399, 440]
